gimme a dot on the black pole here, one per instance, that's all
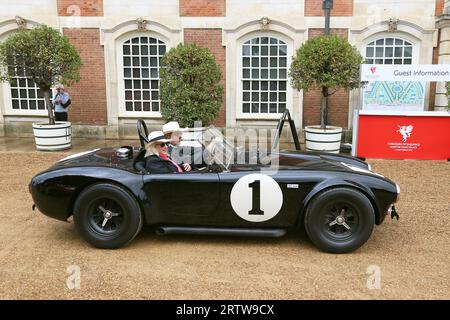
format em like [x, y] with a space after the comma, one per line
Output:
[327, 5]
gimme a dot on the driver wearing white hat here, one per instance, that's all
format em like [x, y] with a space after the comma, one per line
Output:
[173, 132]
[157, 159]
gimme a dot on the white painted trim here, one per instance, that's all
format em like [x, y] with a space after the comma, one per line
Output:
[405, 113]
[111, 40]
[289, 89]
[231, 38]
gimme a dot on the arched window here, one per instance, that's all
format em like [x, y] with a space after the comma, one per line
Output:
[389, 50]
[264, 76]
[141, 62]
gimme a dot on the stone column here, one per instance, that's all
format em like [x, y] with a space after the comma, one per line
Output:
[443, 23]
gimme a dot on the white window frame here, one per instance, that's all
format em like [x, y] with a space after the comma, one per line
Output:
[121, 80]
[9, 111]
[239, 79]
[401, 36]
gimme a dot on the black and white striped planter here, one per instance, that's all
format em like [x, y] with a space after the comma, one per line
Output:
[53, 137]
[328, 140]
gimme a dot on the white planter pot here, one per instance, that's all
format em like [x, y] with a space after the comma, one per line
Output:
[328, 140]
[53, 137]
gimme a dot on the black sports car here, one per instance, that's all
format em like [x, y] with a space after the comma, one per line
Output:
[337, 199]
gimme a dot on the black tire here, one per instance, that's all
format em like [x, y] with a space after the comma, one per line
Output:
[333, 234]
[89, 216]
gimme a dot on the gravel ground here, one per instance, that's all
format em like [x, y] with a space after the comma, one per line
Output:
[412, 253]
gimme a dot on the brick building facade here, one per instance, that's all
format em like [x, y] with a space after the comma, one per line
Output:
[121, 56]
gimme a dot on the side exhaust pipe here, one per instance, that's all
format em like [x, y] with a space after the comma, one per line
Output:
[242, 232]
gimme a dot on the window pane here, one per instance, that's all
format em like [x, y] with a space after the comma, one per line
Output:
[389, 41]
[15, 104]
[398, 52]
[255, 97]
[273, 85]
[407, 52]
[144, 50]
[14, 93]
[255, 62]
[246, 73]
[264, 96]
[264, 62]
[273, 73]
[137, 84]
[281, 107]
[146, 106]
[126, 61]
[41, 105]
[380, 42]
[255, 85]
[264, 50]
[246, 62]
[282, 73]
[145, 73]
[246, 96]
[273, 51]
[155, 84]
[255, 107]
[264, 85]
[246, 85]
[282, 85]
[245, 50]
[282, 62]
[407, 61]
[155, 106]
[128, 84]
[398, 61]
[246, 107]
[264, 73]
[153, 50]
[128, 106]
[283, 50]
[389, 51]
[264, 40]
[273, 108]
[126, 49]
[137, 106]
[264, 108]
[255, 50]
[379, 52]
[145, 84]
[33, 105]
[135, 50]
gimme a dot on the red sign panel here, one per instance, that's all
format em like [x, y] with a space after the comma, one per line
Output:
[404, 137]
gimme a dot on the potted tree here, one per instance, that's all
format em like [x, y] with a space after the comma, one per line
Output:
[190, 88]
[47, 58]
[328, 63]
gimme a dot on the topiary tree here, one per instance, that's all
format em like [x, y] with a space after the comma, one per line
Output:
[328, 63]
[42, 55]
[190, 89]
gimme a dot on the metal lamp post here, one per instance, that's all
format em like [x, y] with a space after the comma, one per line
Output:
[327, 5]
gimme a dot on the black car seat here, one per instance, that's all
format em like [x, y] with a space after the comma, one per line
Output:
[139, 161]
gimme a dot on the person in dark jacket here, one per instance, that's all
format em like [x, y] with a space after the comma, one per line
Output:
[157, 159]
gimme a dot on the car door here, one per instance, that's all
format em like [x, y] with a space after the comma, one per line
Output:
[258, 199]
[182, 198]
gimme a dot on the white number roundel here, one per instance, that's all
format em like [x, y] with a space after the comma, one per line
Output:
[256, 197]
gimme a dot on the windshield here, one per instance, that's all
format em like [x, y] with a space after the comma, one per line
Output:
[214, 146]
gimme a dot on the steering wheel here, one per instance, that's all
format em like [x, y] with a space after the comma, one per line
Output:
[142, 132]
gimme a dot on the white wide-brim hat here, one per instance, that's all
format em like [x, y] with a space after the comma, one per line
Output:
[172, 126]
[157, 136]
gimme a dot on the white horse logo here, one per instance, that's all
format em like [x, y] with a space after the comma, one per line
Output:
[405, 131]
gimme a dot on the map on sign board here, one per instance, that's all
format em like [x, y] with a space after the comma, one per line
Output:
[394, 96]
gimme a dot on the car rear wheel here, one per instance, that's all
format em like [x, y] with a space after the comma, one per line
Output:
[107, 216]
[339, 220]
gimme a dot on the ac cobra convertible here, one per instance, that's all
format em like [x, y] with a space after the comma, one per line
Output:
[337, 199]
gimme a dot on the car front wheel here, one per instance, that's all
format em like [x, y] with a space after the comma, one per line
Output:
[339, 220]
[107, 216]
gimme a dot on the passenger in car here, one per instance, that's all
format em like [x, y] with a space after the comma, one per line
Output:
[157, 158]
[173, 132]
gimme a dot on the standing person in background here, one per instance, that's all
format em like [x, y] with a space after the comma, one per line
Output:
[61, 103]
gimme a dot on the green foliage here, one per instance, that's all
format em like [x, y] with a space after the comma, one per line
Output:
[190, 89]
[41, 54]
[326, 61]
[447, 88]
